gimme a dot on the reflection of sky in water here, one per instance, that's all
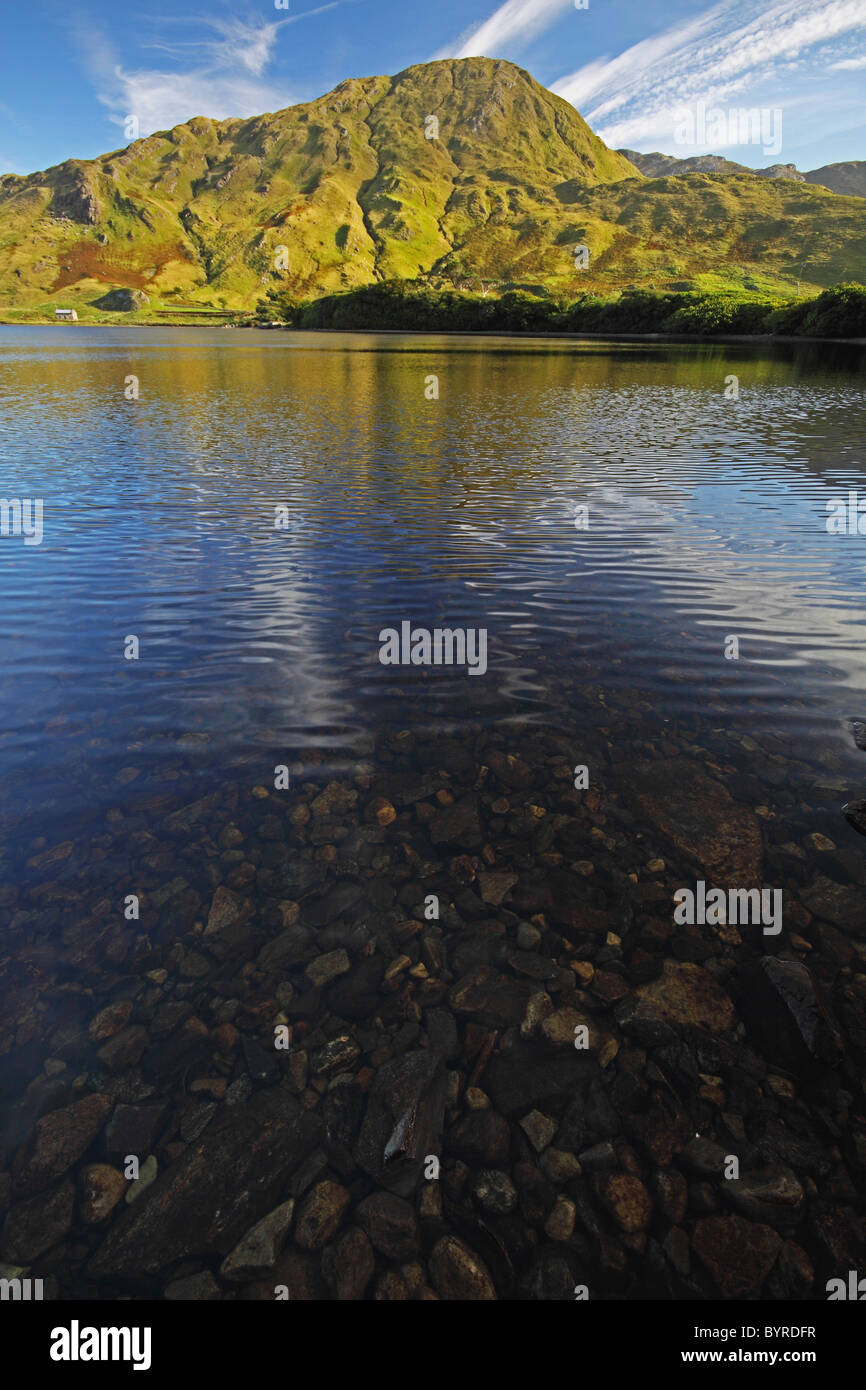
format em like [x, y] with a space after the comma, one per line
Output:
[707, 517]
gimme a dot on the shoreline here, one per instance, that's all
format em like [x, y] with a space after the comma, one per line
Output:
[758, 339]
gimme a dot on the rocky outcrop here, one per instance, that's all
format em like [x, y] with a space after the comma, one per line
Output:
[75, 195]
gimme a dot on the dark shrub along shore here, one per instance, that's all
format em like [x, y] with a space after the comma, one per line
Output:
[839, 312]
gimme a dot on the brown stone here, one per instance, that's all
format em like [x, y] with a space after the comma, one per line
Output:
[699, 815]
[355, 1265]
[227, 910]
[737, 1254]
[609, 987]
[661, 1132]
[495, 885]
[687, 995]
[320, 1216]
[457, 824]
[59, 1139]
[458, 1273]
[482, 1138]
[102, 1188]
[508, 768]
[627, 1200]
[490, 997]
[109, 1020]
[382, 811]
[390, 1223]
[334, 800]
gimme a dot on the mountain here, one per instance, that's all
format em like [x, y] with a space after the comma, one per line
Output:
[848, 179]
[350, 190]
[658, 166]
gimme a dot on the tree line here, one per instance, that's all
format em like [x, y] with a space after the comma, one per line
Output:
[839, 312]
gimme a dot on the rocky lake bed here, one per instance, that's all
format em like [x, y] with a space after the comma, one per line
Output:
[332, 985]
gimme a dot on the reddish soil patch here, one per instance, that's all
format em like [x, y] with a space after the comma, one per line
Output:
[114, 265]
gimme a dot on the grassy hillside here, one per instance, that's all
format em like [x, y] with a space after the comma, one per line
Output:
[193, 219]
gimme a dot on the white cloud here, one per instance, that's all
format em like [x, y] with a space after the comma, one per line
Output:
[849, 65]
[514, 22]
[248, 45]
[219, 73]
[730, 54]
[161, 100]
[604, 76]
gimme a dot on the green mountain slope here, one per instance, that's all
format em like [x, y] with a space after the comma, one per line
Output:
[349, 190]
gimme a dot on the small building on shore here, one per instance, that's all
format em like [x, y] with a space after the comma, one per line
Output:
[66, 315]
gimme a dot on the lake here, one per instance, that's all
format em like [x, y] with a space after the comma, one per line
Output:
[232, 802]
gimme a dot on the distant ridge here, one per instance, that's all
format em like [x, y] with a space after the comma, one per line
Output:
[847, 178]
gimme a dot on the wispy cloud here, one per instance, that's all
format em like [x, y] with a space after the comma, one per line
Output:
[728, 54]
[515, 22]
[220, 72]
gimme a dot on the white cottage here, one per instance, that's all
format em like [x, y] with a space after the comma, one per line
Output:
[66, 315]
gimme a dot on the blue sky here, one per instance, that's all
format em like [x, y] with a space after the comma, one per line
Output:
[70, 75]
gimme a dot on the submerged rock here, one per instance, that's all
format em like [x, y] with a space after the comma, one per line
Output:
[785, 1012]
[228, 910]
[482, 1137]
[493, 999]
[737, 1254]
[627, 1200]
[839, 903]
[389, 1222]
[699, 815]
[403, 1121]
[320, 1215]
[457, 824]
[214, 1192]
[58, 1140]
[459, 1274]
[324, 969]
[766, 1194]
[103, 1188]
[528, 1080]
[687, 995]
[36, 1224]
